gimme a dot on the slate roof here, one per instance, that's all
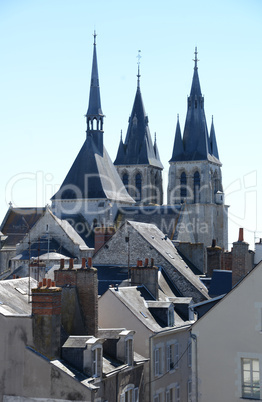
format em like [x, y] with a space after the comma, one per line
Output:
[17, 222]
[196, 144]
[14, 297]
[135, 298]
[165, 247]
[93, 176]
[138, 148]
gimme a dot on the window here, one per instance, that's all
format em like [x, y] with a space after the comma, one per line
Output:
[129, 351]
[171, 316]
[172, 356]
[138, 187]
[183, 188]
[196, 187]
[158, 362]
[250, 379]
[169, 395]
[130, 394]
[125, 180]
[96, 361]
[157, 398]
[189, 390]
[177, 393]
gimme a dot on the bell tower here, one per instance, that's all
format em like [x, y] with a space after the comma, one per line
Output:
[195, 178]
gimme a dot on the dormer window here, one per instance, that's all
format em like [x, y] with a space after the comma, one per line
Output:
[97, 361]
[129, 351]
[171, 319]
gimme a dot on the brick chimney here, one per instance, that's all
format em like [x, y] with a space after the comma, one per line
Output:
[102, 235]
[242, 259]
[84, 280]
[46, 319]
[214, 258]
[146, 275]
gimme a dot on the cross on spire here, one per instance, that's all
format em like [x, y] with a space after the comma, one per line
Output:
[138, 70]
[195, 59]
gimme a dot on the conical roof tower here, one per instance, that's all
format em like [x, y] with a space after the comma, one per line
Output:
[92, 176]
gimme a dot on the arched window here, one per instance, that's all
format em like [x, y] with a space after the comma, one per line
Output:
[183, 188]
[138, 187]
[125, 180]
[196, 187]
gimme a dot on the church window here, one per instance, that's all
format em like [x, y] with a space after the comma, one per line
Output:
[183, 188]
[125, 180]
[196, 187]
[138, 187]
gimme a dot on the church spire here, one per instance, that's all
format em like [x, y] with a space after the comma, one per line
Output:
[178, 149]
[94, 115]
[195, 138]
[213, 141]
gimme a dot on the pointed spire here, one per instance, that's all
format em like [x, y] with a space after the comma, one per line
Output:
[195, 59]
[178, 149]
[138, 148]
[94, 115]
[213, 141]
[94, 107]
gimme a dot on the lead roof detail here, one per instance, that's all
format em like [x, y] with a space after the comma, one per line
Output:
[196, 143]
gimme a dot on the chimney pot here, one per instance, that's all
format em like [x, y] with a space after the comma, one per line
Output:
[14, 276]
[40, 284]
[214, 243]
[83, 262]
[89, 262]
[44, 281]
[71, 263]
[146, 262]
[49, 282]
[62, 263]
[241, 234]
[152, 262]
[53, 284]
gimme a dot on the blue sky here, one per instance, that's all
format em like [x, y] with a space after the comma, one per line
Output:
[46, 54]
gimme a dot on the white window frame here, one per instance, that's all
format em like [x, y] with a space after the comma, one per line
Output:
[170, 395]
[157, 398]
[97, 356]
[252, 374]
[157, 357]
[177, 393]
[130, 394]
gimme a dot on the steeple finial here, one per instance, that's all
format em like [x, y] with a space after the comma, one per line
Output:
[155, 137]
[94, 35]
[138, 69]
[195, 59]
[177, 117]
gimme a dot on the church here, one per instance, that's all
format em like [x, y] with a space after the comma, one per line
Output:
[107, 194]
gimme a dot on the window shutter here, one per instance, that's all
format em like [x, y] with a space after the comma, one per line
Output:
[176, 355]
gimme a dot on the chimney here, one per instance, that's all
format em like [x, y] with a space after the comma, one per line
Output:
[46, 319]
[102, 235]
[147, 276]
[214, 258]
[71, 263]
[80, 285]
[242, 259]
